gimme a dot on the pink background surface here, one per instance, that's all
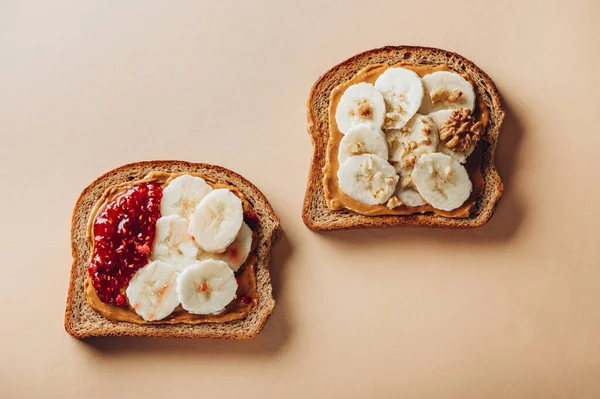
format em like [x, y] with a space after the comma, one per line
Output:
[507, 311]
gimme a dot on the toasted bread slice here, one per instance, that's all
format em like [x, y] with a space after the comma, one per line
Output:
[82, 321]
[316, 214]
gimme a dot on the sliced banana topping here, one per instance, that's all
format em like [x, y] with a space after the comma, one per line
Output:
[152, 291]
[423, 151]
[173, 243]
[418, 137]
[362, 139]
[402, 91]
[442, 181]
[459, 133]
[217, 220]
[206, 287]
[367, 178]
[409, 196]
[446, 90]
[360, 103]
[406, 191]
[236, 254]
[182, 195]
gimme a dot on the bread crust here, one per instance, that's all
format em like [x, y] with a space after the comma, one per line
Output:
[82, 321]
[315, 213]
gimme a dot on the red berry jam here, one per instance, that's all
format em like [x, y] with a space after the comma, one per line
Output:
[251, 219]
[123, 235]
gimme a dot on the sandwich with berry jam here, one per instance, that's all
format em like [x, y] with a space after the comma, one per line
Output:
[171, 248]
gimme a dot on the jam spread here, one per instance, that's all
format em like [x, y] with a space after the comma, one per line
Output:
[251, 220]
[123, 235]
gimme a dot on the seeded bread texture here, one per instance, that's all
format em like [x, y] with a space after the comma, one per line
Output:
[82, 321]
[316, 214]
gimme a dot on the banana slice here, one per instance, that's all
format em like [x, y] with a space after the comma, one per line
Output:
[182, 195]
[409, 196]
[152, 291]
[362, 139]
[217, 220]
[445, 90]
[402, 91]
[236, 254]
[367, 178]
[206, 287]
[418, 137]
[442, 181]
[440, 117]
[406, 192]
[173, 243]
[458, 131]
[360, 103]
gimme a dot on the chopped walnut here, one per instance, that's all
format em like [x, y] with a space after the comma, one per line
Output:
[392, 140]
[460, 132]
[437, 94]
[394, 110]
[393, 202]
[382, 183]
[454, 96]
[396, 104]
[426, 128]
[410, 160]
[356, 149]
[364, 109]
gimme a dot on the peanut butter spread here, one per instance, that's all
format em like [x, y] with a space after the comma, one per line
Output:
[245, 276]
[336, 199]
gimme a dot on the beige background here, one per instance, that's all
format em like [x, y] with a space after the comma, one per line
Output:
[511, 310]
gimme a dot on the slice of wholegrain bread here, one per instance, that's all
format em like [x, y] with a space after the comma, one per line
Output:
[82, 321]
[316, 214]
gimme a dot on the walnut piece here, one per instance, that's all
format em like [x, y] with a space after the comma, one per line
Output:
[393, 202]
[426, 128]
[357, 149]
[394, 110]
[437, 94]
[364, 109]
[454, 96]
[410, 160]
[460, 132]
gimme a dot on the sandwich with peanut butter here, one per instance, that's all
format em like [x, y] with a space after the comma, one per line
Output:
[403, 136]
[170, 248]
